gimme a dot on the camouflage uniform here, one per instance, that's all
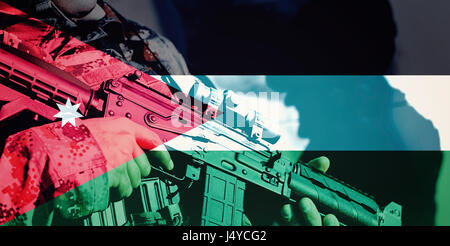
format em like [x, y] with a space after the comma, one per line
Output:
[49, 161]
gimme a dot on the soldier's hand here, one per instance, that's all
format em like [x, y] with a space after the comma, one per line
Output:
[305, 211]
[123, 143]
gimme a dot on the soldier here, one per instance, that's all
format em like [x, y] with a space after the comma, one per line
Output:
[49, 161]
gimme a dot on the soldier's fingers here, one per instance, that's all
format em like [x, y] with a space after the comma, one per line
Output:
[142, 161]
[321, 164]
[149, 140]
[330, 220]
[286, 213]
[309, 212]
[145, 138]
[125, 188]
[113, 179]
[134, 174]
[161, 157]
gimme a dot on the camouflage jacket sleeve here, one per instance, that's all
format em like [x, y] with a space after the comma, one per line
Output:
[51, 167]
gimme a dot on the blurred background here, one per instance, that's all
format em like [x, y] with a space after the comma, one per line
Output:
[401, 37]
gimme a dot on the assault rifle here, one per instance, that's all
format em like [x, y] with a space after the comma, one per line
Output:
[219, 151]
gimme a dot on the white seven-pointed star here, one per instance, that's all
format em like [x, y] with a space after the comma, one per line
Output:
[68, 113]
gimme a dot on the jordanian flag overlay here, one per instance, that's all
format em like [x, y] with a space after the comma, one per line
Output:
[226, 135]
